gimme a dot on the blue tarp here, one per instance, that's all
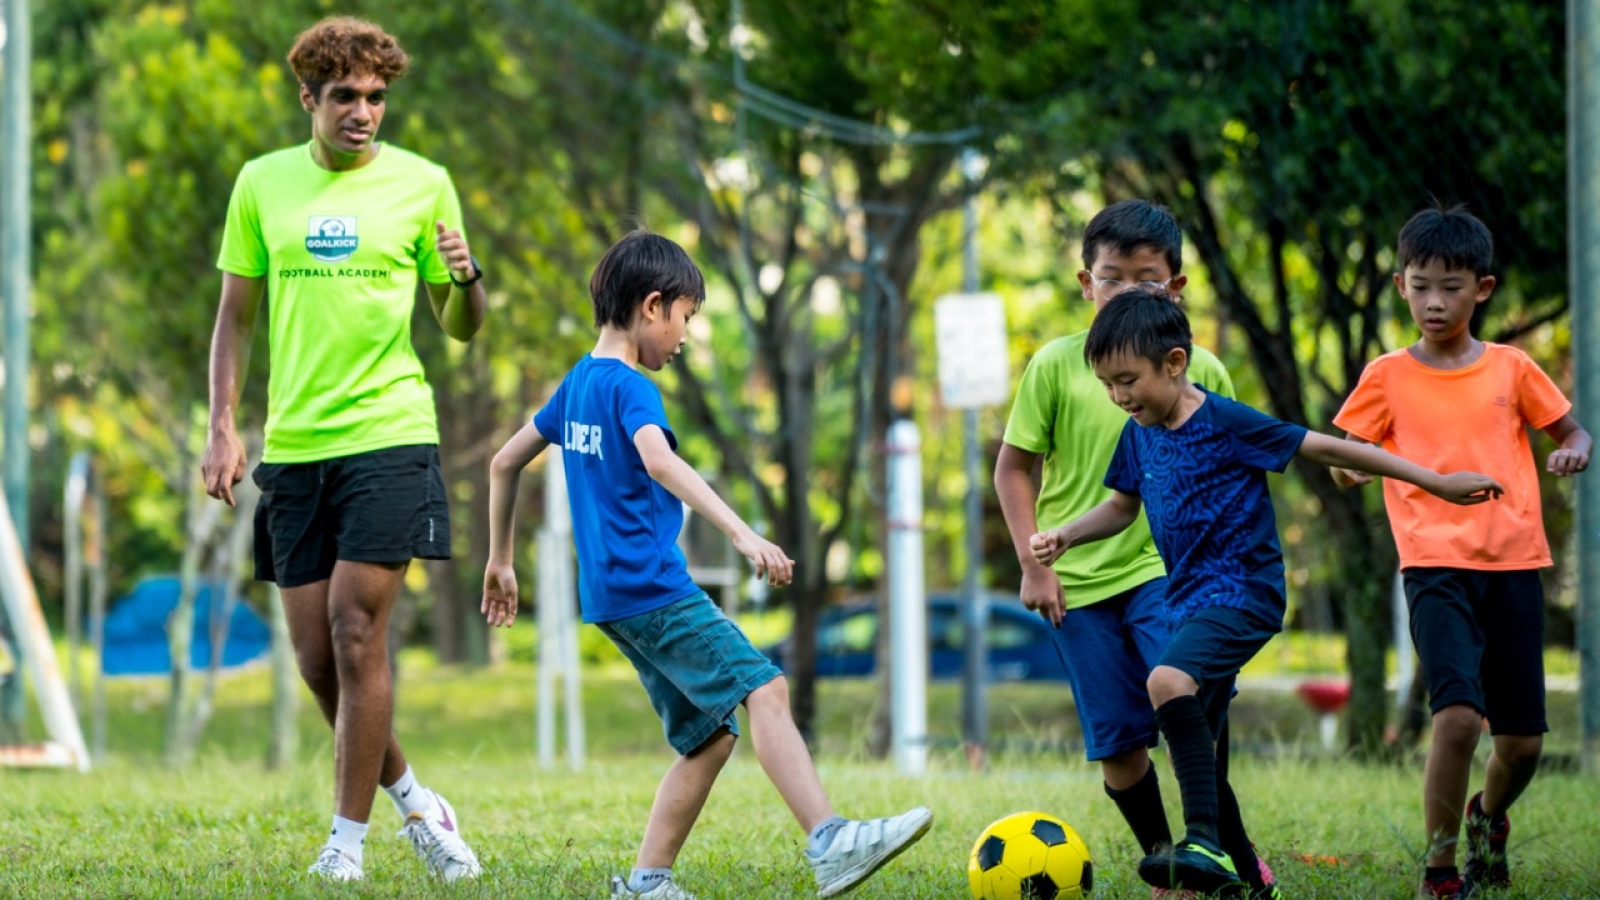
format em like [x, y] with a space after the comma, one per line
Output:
[136, 630]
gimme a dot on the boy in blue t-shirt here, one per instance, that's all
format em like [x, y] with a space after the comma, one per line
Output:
[625, 483]
[1197, 462]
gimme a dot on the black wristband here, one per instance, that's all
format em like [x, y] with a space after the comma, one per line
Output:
[477, 273]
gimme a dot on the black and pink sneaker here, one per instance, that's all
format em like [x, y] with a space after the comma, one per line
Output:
[1486, 847]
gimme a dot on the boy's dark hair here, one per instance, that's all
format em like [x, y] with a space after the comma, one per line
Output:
[1144, 323]
[340, 46]
[1130, 225]
[1450, 235]
[635, 266]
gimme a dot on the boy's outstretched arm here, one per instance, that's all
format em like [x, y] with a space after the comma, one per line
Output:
[1350, 477]
[1109, 518]
[1013, 485]
[677, 476]
[1464, 488]
[1572, 456]
[505, 470]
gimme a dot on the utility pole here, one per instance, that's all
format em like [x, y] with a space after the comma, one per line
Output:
[1583, 241]
[975, 697]
[15, 225]
[15, 237]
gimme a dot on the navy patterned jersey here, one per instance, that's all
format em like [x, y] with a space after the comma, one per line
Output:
[1204, 489]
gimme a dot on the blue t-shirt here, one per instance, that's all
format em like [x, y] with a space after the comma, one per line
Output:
[625, 523]
[1204, 489]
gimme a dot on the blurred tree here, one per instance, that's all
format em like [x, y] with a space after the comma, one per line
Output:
[148, 112]
[795, 183]
[1293, 138]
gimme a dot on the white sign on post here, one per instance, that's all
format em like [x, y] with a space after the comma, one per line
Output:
[974, 362]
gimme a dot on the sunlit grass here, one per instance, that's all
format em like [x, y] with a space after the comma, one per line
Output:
[227, 827]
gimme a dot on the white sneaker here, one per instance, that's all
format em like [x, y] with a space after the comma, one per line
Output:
[666, 890]
[437, 839]
[334, 865]
[860, 847]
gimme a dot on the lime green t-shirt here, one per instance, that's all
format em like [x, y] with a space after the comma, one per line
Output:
[341, 253]
[1062, 412]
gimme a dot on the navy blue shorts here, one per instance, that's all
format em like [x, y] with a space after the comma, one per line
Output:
[1211, 647]
[1109, 649]
[695, 665]
[1480, 640]
[382, 506]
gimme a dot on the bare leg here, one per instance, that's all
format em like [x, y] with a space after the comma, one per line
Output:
[306, 608]
[1511, 766]
[1125, 770]
[679, 799]
[784, 756]
[360, 597]
[1456, 730]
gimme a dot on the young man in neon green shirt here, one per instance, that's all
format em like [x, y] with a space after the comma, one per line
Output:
[337, 233]
[1106, 599]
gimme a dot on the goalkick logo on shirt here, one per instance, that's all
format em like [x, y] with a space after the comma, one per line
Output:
[332, 238]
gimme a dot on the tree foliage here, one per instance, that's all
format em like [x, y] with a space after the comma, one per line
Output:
[808, 166]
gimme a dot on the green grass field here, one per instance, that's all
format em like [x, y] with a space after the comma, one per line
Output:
[227, 827]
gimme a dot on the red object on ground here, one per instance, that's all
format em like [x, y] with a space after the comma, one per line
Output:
[1326, 696]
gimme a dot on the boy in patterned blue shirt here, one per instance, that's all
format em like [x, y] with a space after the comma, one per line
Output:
[627, 487]
[1197, 463]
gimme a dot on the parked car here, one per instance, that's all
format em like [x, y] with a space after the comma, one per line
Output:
[1020, 641]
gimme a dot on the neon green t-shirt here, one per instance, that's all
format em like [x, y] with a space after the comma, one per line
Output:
[1062, 412]
[341, 253]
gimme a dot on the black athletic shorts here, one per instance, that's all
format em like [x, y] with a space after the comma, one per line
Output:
[1480, 639]
[1211, 647]
[383, 506]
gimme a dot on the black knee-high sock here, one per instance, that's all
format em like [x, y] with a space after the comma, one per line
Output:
[1183, 723]
[1230, 821]
[1141, 806]
[1231, 833]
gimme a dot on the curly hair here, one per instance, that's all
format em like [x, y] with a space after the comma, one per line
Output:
[340, 46]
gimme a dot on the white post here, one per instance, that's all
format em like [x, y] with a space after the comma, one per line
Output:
[77, 488]
[39, 654]
[558, 627]
[908, 613]
[1405, 655]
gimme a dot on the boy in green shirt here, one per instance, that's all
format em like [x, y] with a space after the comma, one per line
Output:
[1107, 599]
[337, 233]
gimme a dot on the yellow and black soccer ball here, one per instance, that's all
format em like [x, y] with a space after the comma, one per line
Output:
[1030, 856]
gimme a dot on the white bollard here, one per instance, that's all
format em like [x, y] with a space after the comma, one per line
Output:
[1404, 654]
[908, 611]
[558, 626]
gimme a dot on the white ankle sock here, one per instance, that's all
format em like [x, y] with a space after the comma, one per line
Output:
[347, 837]
[408, 795]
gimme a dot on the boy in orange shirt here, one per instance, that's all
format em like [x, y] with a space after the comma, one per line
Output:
[1471, 573]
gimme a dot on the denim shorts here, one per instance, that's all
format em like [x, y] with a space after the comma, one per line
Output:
[695, 665]
[1211, 647]
[1108, 649]
[1480, 641]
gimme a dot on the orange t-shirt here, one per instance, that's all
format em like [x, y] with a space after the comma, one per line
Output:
[1449, 420]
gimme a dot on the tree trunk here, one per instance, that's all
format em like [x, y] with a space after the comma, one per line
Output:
[799, 536]
[1361, 577]
[204, 516]
[285, 686]
[468, 421]
[224, 576]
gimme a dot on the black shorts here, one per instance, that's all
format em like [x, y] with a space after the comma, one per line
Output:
[1211, 647]
[1480, 638]
[383, 506]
